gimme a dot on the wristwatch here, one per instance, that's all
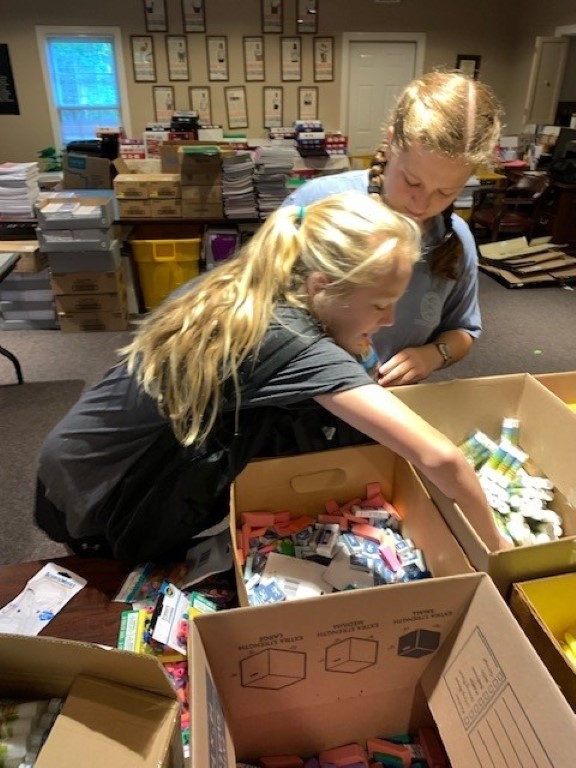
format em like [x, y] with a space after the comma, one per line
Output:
[445, 351]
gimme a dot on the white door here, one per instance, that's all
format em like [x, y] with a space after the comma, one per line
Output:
[377, 72]
[545, 81]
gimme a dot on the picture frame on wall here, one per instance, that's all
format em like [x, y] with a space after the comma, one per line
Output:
[217, 53]
[164, 104]
[308, 103]
[236, 107]
[307, 16]
[177, 57]
[291, 58]
[193, 16]
[143, 59]
[272, 12]
[254, 67]
[273, 102]
[201, 102]
[469, 65]
[155, 17]
[323, 59]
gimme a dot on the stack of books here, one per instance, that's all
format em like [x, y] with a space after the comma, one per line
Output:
[19, 189]
[273, 167]
[238, 186]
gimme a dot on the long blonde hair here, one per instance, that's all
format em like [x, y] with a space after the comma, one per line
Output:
[453, 115]
[190, 346]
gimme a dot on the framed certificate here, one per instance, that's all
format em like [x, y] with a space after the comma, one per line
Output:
[273, 106]
[291, 58]
[217, 52]
[200, 102]
[307, 16]
[323, 59]
[177, 55]
[193, 16]
[164, 106]
[272, 12]
[236, 107]
[155, 15]
[253, 58]
[143, 61]
[308, 103]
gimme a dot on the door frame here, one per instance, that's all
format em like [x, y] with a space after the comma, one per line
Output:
[374, 37]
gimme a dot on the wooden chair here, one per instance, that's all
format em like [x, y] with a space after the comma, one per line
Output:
[511, 212]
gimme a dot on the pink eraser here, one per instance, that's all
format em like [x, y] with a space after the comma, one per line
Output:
[390, 557]
[347, 755]
[332, 507]
[368, 531]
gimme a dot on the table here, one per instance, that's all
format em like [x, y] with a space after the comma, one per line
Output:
[90, 616]
[7, 263]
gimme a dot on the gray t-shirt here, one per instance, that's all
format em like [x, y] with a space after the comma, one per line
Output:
[113, 424]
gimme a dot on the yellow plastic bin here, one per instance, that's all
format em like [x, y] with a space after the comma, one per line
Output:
[163, 265]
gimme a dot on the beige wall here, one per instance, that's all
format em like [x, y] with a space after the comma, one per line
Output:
[501, 32]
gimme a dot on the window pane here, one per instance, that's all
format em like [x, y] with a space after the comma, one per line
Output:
[84, 84]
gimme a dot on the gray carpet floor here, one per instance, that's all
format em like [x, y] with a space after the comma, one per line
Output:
[527, 330]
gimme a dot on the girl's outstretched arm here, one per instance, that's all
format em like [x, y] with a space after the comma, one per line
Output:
[382, 416]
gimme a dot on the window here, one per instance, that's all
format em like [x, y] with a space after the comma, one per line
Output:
[84, 80]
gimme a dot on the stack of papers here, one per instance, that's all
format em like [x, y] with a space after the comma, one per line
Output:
[238, 190]
[273, 167]
[19, 188]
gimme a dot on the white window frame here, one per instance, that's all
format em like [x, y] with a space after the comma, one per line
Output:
[43, 32]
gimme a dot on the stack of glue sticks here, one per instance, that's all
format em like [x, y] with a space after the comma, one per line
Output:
[518, 499]
[24, 727]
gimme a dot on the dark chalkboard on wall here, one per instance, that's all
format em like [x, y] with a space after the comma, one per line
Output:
[8, 98]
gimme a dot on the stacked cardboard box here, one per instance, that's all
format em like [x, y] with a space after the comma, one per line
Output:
[148, 195]
[26, 299]
[77, 234]
[201, 179]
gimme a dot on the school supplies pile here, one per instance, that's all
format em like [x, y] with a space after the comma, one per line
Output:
[24, 727]
[518, 499]
[352, 545]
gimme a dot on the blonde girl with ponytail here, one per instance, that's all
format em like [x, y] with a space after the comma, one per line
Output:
[143, 463]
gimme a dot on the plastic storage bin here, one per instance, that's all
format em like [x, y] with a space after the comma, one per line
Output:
[163, 265]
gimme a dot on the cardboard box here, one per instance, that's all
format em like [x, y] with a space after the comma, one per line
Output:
[202, 210]
[119, 706]
[73, 303]
[265, 681]
[547, 434]
[81, 322]
[134, 209]
[85, 172]
[87, 282]
[563, 385]
[205, 195]
[78, 212]
[31, 259]
[147, 185]
[85, 261]
[545, 609]
[304, 483]
[199, 168]
[167, 209]
[55, 240]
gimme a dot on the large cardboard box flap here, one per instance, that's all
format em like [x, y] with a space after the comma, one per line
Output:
[120, 708]
[494, 701]
[302, 484]
[122, 726]
[547, 433]
[303, 676]
[563, 385]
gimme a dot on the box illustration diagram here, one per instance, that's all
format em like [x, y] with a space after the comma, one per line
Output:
[420, 642]
[273, 669]
[351, 655]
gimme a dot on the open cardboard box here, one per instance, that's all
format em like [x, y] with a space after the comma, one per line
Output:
[299, 677]
[302, 484]
[545, 608]
[120, 707]
[547, 434]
